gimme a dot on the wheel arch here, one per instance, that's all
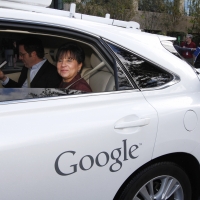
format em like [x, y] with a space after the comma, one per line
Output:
[186, 161]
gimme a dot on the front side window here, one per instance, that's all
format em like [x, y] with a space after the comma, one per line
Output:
[67, 64]
[144, 73]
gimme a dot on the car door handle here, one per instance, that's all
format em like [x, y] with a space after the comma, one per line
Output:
[135, 123]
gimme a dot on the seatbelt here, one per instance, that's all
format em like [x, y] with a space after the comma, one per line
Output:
[28, 77]
[99, 66]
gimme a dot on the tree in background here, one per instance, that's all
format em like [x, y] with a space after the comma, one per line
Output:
[160, 14]
[151, 12]
[118, 9]
[173, 15]
[69, 1]
[194, 12]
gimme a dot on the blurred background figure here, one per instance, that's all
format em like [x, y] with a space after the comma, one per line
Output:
[188, 55]
[184, 49]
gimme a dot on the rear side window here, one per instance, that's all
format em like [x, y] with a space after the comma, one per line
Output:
[144, 73]
[123, 82]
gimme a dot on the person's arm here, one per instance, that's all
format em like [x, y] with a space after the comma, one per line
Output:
[7, 82]
[3, 79]
[178, 48]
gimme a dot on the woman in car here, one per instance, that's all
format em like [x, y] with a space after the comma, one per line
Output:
[70, 58]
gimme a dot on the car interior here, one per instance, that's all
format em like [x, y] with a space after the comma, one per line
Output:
[96, 70]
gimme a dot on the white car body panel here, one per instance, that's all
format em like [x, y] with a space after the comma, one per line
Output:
[53, 126]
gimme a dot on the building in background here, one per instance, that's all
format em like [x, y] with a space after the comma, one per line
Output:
[175, 20]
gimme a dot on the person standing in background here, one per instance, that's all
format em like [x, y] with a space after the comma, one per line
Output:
[188, 55]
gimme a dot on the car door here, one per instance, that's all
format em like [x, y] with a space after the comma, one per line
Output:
[73, 146]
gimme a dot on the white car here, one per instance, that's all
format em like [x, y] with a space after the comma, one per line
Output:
[135, 137]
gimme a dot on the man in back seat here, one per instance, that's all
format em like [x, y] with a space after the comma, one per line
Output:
[37, 71]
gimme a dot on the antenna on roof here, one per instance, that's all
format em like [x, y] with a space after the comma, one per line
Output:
[107, 16]
[72, 10]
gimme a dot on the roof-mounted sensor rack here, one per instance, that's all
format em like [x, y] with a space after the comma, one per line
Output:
[36, 7]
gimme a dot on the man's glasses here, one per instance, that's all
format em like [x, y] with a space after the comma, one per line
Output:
[22, 54]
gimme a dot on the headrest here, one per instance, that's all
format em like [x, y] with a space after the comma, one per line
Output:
[95, 60]
[48, 55]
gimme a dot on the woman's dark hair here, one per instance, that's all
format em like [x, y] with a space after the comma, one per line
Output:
[76, 52]
[33, 44]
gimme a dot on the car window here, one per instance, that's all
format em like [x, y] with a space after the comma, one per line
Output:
[144, 73]
[97, 70]
[123, 81]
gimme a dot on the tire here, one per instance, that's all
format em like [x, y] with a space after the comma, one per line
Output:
[158, 182]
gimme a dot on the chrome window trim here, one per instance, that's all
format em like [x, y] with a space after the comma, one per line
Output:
[175, 80]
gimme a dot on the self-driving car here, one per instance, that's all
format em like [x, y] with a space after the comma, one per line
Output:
[134, 137]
